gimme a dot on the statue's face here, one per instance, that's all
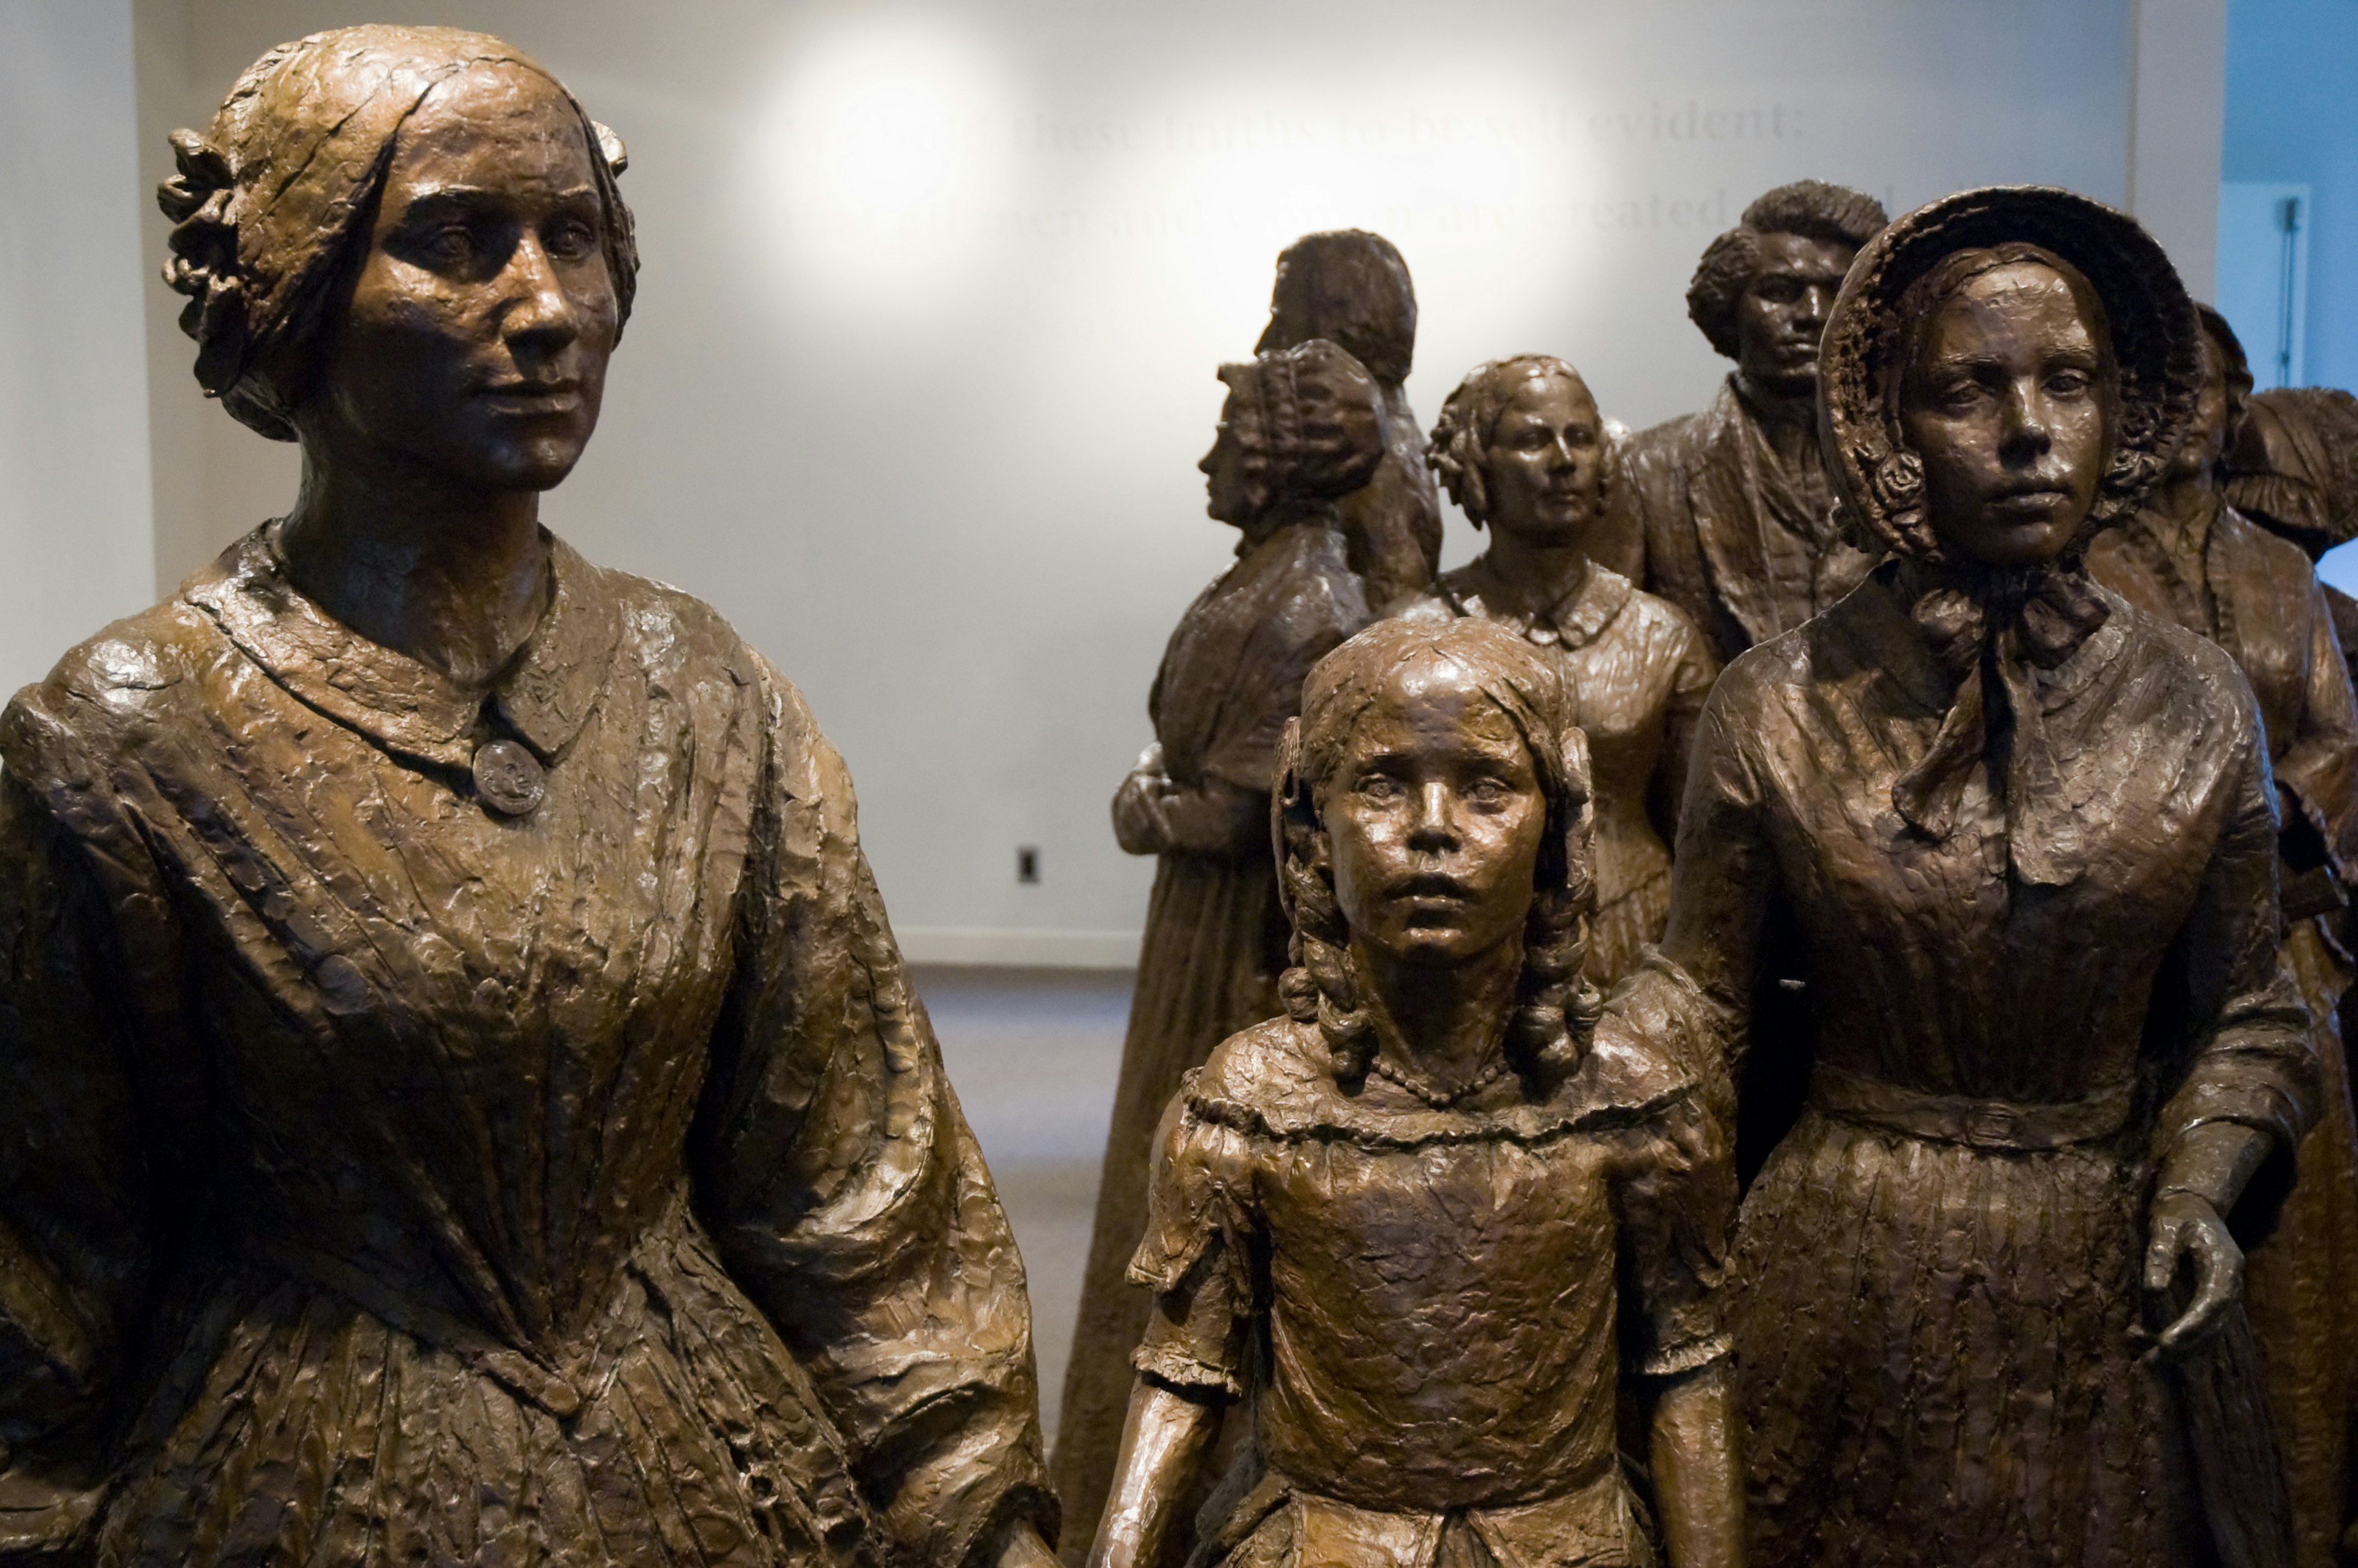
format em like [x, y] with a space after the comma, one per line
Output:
[2005, 404]
[1435, 820]
[2206, 439]
[475, 341]
[1544, 463]
[1782, 314]
[1223, 469]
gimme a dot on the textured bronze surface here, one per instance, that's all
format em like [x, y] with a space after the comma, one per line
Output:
[1430, 1220]
[1523, 453]
[1727, 512]
[1986, 1295]
[1301, 426]
[1352, 288]
[386, 1179]
[2188, 557]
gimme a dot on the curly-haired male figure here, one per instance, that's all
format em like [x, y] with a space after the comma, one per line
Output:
[1732, 504]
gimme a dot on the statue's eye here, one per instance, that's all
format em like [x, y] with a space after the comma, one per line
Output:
[571, 240]
[452, 244]
[1379, 786]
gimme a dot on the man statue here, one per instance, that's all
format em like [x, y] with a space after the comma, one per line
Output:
[1729, 509]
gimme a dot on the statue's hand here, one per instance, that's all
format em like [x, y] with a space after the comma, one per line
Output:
[2185, 1228]
[1025, 1549]
[1139, 825]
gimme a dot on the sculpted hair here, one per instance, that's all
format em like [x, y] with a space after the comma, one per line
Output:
[1557, 1006]
[1309, 420]
[2232, 359]
[1352, 288]
[1460, 444]
[273, 206]
[1810, 208]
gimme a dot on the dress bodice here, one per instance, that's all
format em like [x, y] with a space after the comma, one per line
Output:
[376, 1076]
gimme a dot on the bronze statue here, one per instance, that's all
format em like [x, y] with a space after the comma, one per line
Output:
[2186, 556]
[1523, 453]
[1729, 510]
[461, 1099]
[1986, 1301]
[1301, 426]
[1428, 1221]
[2293, 468]
[1352, 288]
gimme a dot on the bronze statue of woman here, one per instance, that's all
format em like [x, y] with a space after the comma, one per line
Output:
[2188, 557]
[460, 1099]
[1434, 1220]
[1352, 288]
[1986, 1307]
[1301, 426]
[1523, 450]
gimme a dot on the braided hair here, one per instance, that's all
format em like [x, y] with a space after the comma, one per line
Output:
[1557, 1006]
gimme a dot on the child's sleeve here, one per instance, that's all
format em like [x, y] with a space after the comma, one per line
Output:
[1197, 1256]
[1675, 1203]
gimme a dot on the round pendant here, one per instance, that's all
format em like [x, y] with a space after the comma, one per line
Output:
[508, 778]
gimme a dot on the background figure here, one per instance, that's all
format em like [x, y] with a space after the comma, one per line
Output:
[1523, 450]
[2293, 467]
[1352, 288]
[460, 1099]
[2189, 558]
[1727, 512]
[2055, 1040]
[1301, 426]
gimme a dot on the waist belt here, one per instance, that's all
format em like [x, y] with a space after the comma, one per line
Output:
[1977, 1123]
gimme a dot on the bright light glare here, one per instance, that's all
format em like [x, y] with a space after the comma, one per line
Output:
[887, 147]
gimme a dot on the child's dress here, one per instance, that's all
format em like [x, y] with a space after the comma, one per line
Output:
[1425, 1307]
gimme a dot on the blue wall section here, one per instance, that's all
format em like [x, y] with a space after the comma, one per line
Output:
[2292, 114]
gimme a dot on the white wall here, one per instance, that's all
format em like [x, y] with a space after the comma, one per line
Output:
[934, 293]
[74, 544]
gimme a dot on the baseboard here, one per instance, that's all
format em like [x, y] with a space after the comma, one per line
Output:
[1019, 949]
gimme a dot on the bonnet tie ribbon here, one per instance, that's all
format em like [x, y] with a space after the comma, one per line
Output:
[1984, 637]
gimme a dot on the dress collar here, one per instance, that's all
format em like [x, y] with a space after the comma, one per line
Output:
[545, 695]
[1577, 619]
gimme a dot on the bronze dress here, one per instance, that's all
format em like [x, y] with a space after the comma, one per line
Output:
[1938, 1273]
[1430, 1311]
[390, 1179]
[1215, 938]
[2256, 595]
[1636, 672]
[1391, 525]
[1741, 540]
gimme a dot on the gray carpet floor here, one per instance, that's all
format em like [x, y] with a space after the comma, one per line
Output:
[1034, 1054]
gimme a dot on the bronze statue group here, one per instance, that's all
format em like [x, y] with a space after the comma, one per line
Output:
[1790, 1011]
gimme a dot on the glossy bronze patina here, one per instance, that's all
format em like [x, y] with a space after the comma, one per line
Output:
[1301, 426]
[1728, 514]
[1352, 288]
[1428, 1222]
[1987, 1296]
[460, 1100]
[1524, 454]
[2188, 557]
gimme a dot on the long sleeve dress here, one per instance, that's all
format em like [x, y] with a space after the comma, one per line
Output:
[388, 1177]
[1636, 672]
[1215, 938]
[1938, 1273]
[1430, 1311]
[2219, 574]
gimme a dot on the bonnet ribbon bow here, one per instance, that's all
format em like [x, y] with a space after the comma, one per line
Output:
[1983, 640]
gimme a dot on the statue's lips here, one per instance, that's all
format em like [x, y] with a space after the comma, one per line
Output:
[2028, 504]
[534, 397]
